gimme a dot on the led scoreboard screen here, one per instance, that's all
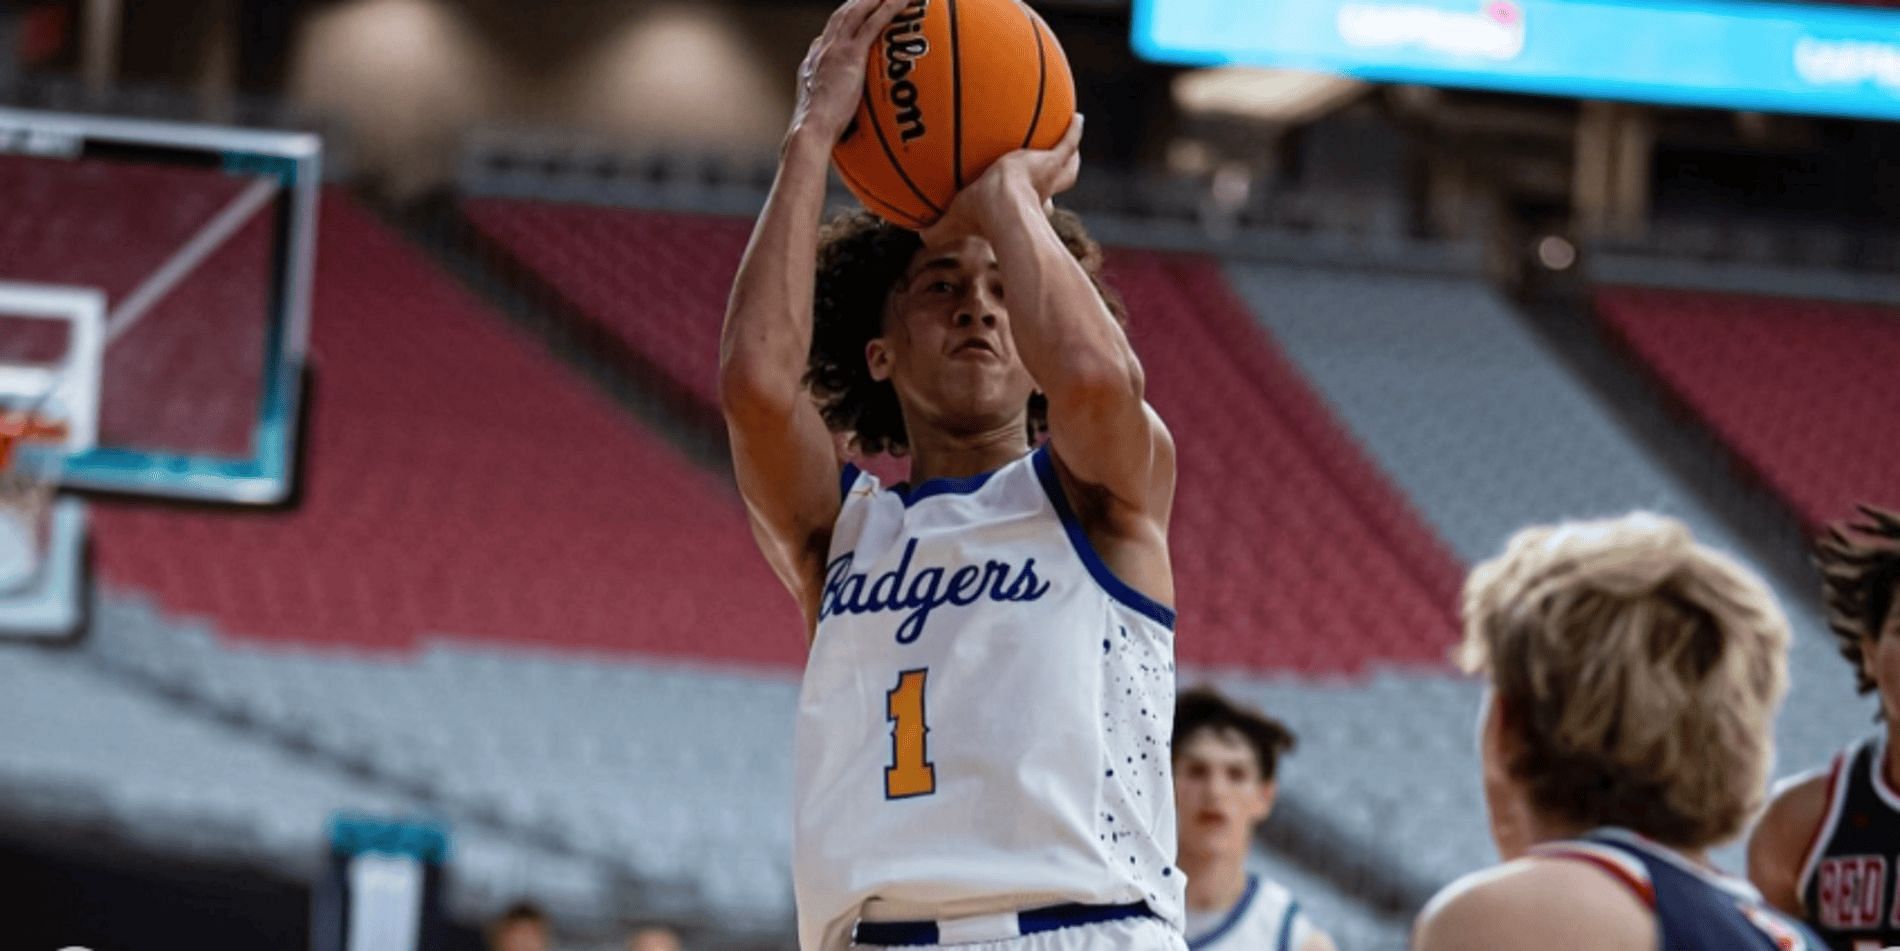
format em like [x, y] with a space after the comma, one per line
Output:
[1732, 54]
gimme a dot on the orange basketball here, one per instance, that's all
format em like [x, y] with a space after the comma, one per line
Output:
[953, 86]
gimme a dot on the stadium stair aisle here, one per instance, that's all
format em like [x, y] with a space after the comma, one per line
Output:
[1415, 365]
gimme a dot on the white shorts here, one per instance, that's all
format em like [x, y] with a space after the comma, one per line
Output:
[1127, 934]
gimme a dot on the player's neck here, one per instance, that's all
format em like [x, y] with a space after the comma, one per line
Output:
[1214, 882]
[942, 455]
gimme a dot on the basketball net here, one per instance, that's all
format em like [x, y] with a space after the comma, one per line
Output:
[26, 494]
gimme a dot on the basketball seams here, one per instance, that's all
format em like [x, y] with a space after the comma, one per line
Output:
[888, 211]
[956, 96]
[1042, 75]
[992, 108]
[877, 127]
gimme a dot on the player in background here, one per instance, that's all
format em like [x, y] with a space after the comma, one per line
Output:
[1828, 848]
[1634, 678]
[1226, 764]
[981, 738]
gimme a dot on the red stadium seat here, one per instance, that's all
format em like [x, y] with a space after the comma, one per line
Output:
[1292, 550]
[461, 482]
[1801, 391]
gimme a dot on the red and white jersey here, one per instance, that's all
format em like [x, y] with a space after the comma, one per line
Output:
[985, 715]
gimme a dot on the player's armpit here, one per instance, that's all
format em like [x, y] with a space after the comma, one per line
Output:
[1125, 451]
[1779, 843]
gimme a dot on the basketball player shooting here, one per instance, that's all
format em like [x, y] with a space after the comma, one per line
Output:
[982, 730]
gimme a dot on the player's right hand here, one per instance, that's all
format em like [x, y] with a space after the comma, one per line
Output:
[831, 80]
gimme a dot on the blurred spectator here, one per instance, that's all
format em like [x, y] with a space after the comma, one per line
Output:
[653, 939]
[521, 928]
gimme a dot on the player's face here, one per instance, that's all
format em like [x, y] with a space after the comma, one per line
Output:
[1881, 659]
[946, 346]
[1219, 796]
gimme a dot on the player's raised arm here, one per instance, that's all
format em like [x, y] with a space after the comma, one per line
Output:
[782, 453]
[1104, 433]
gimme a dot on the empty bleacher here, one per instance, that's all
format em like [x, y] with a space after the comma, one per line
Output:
[1338, 572]
[651, 283]
[1488, 429]
[1800, 391]
[460, 482]
[1291, 549]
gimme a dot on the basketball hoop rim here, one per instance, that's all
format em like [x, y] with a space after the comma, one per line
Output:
[17, 429]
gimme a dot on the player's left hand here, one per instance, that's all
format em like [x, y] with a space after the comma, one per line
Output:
[1038, 174]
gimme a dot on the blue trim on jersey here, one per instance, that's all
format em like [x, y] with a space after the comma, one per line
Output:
[1116, 587]
[847, 477]
[1286, 925]
[960, 485]
[1232, 919]
[898, 934]
[1699, 909]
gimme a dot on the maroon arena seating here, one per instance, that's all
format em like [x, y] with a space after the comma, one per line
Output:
[461, 482]
[654, 282]
[1292, 550]
[1803, 392]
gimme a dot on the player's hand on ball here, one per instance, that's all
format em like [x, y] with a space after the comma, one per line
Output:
[1053, 171]
[831, 80]
[1045, 173]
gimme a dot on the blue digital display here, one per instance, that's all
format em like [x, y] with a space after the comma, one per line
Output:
[1771, 57]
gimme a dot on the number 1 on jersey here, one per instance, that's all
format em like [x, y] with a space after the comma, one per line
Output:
[910, 772]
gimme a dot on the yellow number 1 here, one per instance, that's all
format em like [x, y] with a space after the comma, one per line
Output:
[910, 772]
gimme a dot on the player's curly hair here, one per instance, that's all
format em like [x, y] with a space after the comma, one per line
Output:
[1203, 708]
[1860, 581]
[861, 258]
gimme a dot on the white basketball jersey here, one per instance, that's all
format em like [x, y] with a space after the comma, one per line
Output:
[1265, 919]
[986, 712]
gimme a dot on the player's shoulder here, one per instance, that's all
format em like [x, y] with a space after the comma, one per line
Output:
[1797, 805]
[1524, 903]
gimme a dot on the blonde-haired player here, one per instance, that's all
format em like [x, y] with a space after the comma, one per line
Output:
[1226, 777]
[1634, 678]
[1828, 848]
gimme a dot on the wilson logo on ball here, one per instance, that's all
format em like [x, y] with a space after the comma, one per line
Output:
[950, 86]
[904, 45]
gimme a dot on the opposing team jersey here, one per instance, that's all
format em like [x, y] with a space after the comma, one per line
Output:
[1696, 909]
[1265, 919]
[985, 715]
[1849, 876]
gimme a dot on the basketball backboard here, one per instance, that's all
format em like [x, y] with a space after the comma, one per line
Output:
[201, 241]
[49, 413]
